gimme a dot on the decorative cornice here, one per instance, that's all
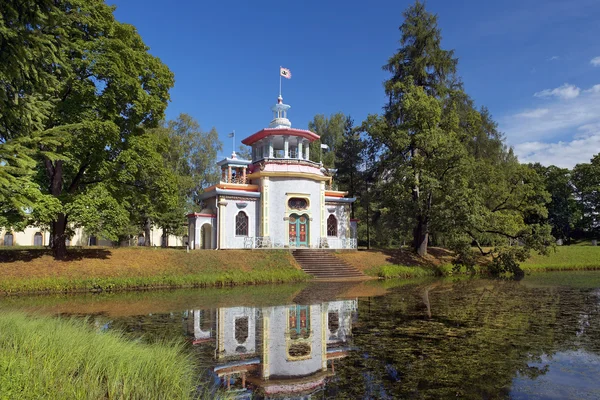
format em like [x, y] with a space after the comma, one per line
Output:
[287, 174]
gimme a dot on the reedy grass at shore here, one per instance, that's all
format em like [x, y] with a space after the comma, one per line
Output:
[51, 358]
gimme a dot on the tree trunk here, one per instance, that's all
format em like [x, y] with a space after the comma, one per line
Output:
[165, 241]
[147, 233]
[59, 226]
[421, 230]
[58, 237]
[421, 236]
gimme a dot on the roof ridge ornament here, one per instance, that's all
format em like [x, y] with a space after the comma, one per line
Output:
[280, 114]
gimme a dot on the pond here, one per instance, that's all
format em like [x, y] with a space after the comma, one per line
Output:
[537, 338]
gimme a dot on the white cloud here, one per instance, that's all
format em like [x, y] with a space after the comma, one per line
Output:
[565, 91]
[595, 61]
[554, 58]
[593, 89]
[564, 154]
[563, 133]
[537, 113]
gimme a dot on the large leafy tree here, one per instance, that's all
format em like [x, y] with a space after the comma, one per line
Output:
[331, 131]
[443, 168]
[349, 160]
[100, 86]
[563, 211]
[586, 180]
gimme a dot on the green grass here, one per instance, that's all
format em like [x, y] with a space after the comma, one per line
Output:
[165, 281]
[51, 358]
[400, 271]
[565, 258]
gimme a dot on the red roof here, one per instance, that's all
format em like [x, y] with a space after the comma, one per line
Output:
[280, 131]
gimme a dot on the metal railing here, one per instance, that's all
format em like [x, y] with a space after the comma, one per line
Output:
[260, 242]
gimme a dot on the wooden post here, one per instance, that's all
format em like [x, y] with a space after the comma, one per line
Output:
[243, 175]
[229, 174]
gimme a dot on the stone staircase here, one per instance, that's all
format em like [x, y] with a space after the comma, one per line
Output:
[323, 265]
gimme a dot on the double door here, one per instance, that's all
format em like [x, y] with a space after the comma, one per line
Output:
[298, 230]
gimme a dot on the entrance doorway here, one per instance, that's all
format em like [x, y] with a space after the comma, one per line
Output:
[298, 230]
[206, 236]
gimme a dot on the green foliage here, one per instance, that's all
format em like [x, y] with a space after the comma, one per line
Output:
[331, 131]
[35, 364]
[77, 85]
[586, 181]
[439, 168]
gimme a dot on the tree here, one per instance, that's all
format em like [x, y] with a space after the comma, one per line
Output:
[586, 180]
[349, 159]
[331, 131]
[563, 212]
[442, 166]
[420, 64]
[99, 87]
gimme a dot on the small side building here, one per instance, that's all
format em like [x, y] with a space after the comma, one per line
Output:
[279, 199]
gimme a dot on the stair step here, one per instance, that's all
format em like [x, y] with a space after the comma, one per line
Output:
[323, 265]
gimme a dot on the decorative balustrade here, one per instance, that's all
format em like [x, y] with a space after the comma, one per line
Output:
[260, 242]
[235, 179]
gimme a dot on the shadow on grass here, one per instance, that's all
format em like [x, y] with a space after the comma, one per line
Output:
[28, 254]
[410, 259]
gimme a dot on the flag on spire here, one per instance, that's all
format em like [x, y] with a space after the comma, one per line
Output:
[285, 73]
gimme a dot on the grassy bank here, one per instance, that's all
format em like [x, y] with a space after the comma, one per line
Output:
[35, 365]
[34, 270]
[405, 264]
[565, 258]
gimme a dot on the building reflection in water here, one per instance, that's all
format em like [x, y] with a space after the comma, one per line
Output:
[277, 351]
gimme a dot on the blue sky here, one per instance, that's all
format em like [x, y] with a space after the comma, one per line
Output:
[530, 62]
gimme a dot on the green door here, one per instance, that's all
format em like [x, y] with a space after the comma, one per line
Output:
[298, 230]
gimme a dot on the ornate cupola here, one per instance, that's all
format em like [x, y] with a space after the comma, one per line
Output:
[280, 115]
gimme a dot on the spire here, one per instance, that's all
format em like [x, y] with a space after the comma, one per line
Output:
[280, 115]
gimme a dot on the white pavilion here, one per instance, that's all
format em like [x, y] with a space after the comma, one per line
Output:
[279, 199]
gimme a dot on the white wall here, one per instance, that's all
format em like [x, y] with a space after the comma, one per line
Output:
[279, 364]
[278, 189]
[232, 208]
[80, 238]
[230, 343]
[342, 213]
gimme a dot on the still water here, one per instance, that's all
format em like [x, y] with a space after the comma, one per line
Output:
[537, 338]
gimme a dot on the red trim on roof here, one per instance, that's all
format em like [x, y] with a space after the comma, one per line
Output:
[280, 131]
[201, 215]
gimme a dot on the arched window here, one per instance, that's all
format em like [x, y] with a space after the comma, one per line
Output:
[8, 239]
[241, 224]
[38, 240]
[332, 225]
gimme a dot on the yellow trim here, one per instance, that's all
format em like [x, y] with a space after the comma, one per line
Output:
[238, 186]
[307, 175]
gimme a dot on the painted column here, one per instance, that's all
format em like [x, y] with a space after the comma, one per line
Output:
[324, 324]
[229, 174]
[264, 226]
[300, 149]
[286, 147]
[265, 340]
[323, 221]
[222, 207]
[270, 148]
[307, 151]
[198, 234]
[244, 175]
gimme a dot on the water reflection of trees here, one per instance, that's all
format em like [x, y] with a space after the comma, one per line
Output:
[467, 339]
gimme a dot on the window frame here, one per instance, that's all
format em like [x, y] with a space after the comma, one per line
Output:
[332, 216]
[247, 221]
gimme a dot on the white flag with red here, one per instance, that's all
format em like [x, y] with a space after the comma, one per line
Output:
[285, 73]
